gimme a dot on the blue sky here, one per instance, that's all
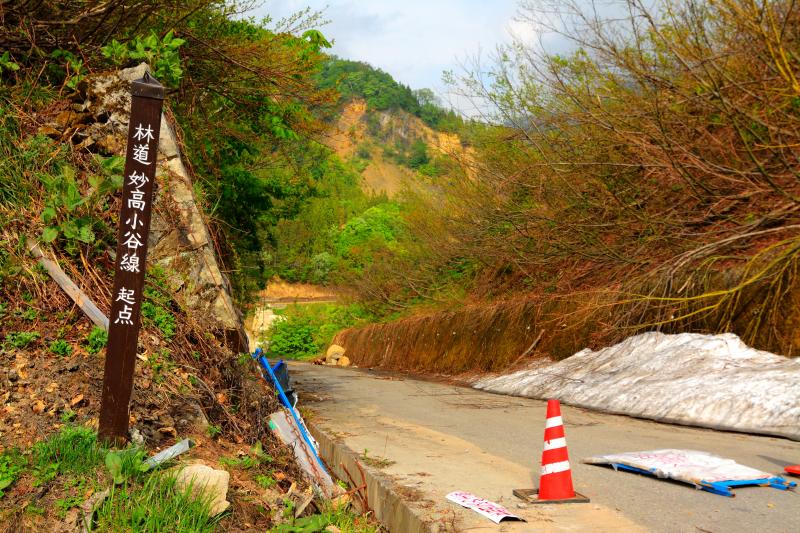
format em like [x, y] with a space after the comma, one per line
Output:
[413, 40]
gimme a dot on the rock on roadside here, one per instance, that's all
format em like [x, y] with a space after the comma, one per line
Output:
[206, 482]
[334, 353]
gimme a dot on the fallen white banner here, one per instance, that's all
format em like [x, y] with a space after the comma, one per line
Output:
[713, 381]
[490, 510]
[701, 469]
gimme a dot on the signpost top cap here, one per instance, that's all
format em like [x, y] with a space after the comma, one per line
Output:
[148, 87]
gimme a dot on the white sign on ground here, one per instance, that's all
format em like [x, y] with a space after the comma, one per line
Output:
[689, 466]
[713, 381]
[490, 510]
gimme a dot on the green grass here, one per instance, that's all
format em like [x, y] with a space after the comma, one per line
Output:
[138, 501]
[73, 450]
[155, 506]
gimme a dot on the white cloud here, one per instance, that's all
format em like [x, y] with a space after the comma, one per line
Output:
[413, 40]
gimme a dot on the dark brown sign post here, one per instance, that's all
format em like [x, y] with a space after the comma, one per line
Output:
[134, 226]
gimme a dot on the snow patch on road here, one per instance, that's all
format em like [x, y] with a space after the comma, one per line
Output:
[713, 381]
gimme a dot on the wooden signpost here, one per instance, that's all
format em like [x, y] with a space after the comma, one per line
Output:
[134, 226]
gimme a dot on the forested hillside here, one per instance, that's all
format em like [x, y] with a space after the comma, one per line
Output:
[644, 179]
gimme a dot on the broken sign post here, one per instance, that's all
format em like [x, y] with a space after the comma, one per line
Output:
[134, 226]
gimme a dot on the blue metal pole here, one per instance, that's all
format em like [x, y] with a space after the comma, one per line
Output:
[264, 362]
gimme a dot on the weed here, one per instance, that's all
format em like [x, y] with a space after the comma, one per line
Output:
[340, 518]
[65, 504]
[68, 415]
[30, 314]
[245, 462]
[155, 506]
[12, 463]
[265, 481]
[378, 462]
[21, 339]
[61, 347]
[96, 340]
[160, 317]
[213, 431]
[34, 510]
[160, 52]
[74, 449]
[126, 464]
[69, 214]
[161, 363]
[288, 508]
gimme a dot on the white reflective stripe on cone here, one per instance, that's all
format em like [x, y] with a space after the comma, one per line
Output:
[560, 442]
[553, 422]
[555, 468]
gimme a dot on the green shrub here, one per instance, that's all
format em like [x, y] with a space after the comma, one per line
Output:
[363, 151]
[381, 222]
[22, 339]
[96, 340]
[61, 347]
[307, 329]
[293, 338]
[160, 53]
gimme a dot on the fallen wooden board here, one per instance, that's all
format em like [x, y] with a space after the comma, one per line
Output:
[72, 290]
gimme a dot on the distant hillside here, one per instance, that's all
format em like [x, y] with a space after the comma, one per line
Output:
[354, 79]
[384, 139]
[394, 149]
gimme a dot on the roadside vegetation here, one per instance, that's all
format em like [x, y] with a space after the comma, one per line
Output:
[648, 168]
[304, 331]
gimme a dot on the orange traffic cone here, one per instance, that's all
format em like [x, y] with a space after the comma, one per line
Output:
[555, 481]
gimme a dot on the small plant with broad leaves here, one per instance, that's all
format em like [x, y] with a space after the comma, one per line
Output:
[61, 347]
[68, 213]
[74, 69]
[7, 64]
[96, 340]
[12, 464]
[22, 339]
[125, 464]
[160, 53]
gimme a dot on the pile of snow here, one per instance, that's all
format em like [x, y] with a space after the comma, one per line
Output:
[713, 381]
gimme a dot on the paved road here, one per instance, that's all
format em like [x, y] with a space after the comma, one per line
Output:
[442, 437]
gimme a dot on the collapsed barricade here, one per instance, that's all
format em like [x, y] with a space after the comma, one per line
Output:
[288, 425]
[703, 470]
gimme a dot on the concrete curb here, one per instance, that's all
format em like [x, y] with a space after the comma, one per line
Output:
[389, 508]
